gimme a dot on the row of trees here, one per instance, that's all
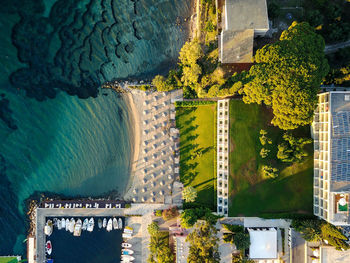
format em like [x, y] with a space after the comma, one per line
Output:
[320, 230]
[160, 251]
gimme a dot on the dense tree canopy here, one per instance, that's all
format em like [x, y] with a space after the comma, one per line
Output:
[189, 194]
[292, 149]
[287, 76]
[203, 244]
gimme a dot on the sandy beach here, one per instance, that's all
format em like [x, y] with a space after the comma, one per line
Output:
[154, 165]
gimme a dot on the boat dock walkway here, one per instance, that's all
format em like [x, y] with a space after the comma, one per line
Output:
[144, 210]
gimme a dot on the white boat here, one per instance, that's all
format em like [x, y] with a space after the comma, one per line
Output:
[48, 228]
[85, 224]
[55, 222]
[126, 245]
[127, 251]
[128, 230]
[48, 247]
[67, 224]
[109, 225]
[127, 257]
[99, 223]
[77, 228]
[91, 225]
[127, 235]
[120, 223]
[115, 223]
[63, 222]
[59, 224]
[104, 224]
[71, 225]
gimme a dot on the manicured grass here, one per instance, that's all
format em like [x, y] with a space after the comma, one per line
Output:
[197, 127]
[250, 193]
[8, 260]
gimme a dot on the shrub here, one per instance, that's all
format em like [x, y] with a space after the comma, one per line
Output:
[159, 212]
[269, 171]
[234, 228]
[127, 205]
[193, 103]
[264, 152]
[189, 194]
[242, 240]
[153, 228]
[170, 213]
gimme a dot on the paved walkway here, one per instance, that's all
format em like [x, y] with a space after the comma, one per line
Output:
[333, 48]
[260, 222]
[222, 156]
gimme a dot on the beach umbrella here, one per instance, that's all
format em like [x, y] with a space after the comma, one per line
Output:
[144, 171]
[169, 186]
[143, 199]
[145, 159]
[170, 177]
[155, 136]
[135, 191]
[153, 200]
[152, 193]
[144, 189]
[164, 152]
[161, 192]
[154, 184]
[163, 161]
[154, 156]
[154, 146]
[154, 165]
[162, 182]
[153, 175]
[144, 180]
[145, 151]
[134, 199]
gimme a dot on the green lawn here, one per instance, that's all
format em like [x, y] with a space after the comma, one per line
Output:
[197, 127]
[8, 259]
[250, 194]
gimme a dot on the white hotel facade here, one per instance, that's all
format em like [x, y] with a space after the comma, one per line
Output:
[331, 133]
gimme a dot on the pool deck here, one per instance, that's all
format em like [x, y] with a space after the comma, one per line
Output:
[139, 216]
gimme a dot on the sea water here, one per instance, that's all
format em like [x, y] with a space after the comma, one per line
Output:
[78, 144]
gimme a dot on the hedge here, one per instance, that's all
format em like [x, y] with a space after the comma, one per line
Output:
[193, 103]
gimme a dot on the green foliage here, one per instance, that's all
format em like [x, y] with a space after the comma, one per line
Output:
[268, 171]
[233, 228]
[273, 10]
[264, 152]
[159, 212]
[160, 251]
[190, 53]
[190, 74]
[193, 103]
[189, 194]
[242, 240]
[170, 213]
[292, 150]
[141, 87]
[203, 244]
[190, 216]
[309, 229]
[127, 205]
[287, 76]
[240, 258]
[153, 228]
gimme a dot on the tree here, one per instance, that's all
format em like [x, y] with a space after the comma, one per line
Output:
[190, 216]
[287, 75]
[269, 171]
[189, 194]
[242, 240]
[190, 74]
[170, 213]
[309, 229]
[153, 228]
[190, 53]
[203, 244]
[264, 152]
[292, 150]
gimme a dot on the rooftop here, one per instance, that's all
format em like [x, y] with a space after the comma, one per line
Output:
[246, 14]
[263, 244]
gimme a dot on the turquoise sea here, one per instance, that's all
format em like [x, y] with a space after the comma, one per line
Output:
[60, 134]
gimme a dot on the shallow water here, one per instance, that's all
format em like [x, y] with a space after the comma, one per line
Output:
[57, 143]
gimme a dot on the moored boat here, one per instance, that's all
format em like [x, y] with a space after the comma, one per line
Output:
[126, 245]
[128, 229]
[120, 223]
[99, 223]
[55, 222]
[109, 225]
[127, 257]
[48, 247]
[67, 224]
[127, 251]
[115, 223]
[71, 225]
[104, 224]
[77, 228]
[59, 224]
[48, 228]
[127, 235]
[85, 224]
[63, 222]
[91, 225]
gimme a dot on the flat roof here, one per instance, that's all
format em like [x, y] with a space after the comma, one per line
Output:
[246, 14]
[263, 244]
[331, 255]
[237, 46]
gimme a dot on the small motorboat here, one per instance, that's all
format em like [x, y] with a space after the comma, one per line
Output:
[99, 223]
[127, 235]
[71, 225]
[59, 224]
[127, 257]
[55, 222]
[104, 224]
[115, 223]
[128, 230]
[85, 224]
[127, 251]
[48, 228]
[120, 223]
[126, 245]
[91, 225]
[67, 224]
[48, 247]
[63, 222]
[77, 228]
[109, 225]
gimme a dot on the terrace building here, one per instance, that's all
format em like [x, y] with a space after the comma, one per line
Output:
[331, 133]
[242, 20]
